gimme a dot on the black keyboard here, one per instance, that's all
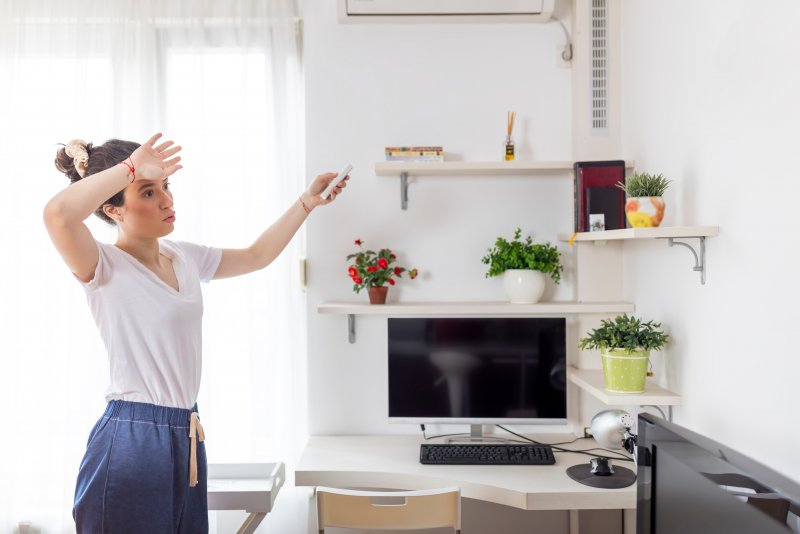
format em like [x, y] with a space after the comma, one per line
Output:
[486, 454]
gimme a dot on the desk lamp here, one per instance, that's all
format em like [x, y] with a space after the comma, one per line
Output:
[611, 429]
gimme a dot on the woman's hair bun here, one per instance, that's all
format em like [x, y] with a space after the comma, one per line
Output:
[73, 159]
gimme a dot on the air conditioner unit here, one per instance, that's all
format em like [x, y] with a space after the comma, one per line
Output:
[445, 10]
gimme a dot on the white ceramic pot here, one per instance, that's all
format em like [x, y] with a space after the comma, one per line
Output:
[523, 286]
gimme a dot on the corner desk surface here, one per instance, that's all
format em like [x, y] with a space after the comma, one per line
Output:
[392, 462]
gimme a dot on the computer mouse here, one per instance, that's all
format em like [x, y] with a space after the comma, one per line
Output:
[601, 467]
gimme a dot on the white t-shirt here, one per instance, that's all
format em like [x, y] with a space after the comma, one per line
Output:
[151, 332]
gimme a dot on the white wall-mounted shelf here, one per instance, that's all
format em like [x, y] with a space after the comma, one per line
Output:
[470, 168]
[460, 309]
[644, 233]
[591, 381]
[670, 233]
[472, 308]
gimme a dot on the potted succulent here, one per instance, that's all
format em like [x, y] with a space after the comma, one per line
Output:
[373, 270]
[625, 344]
[523, 265]
[644, 207]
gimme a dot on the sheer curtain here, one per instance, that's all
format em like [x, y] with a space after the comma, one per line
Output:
[223, 79]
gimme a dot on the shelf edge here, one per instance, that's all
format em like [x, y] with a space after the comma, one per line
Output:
[660, 397]
[474, 308]
[677, 232]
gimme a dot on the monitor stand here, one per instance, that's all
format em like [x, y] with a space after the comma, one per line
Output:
[476, 436]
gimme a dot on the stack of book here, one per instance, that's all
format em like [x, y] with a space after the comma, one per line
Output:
[414, 153]
[599, 203]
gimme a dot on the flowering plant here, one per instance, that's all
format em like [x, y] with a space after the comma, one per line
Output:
[374, 269]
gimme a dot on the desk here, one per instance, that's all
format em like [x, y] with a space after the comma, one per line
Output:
[392, 462]
[249, 487]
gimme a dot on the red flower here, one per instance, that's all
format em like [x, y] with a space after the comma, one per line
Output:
[393, 256]
[352, 271]
[357, 280]
[358, 242]
[372, 269]
[382, 263]
[398, 271]
[391, 282]
[358, 260]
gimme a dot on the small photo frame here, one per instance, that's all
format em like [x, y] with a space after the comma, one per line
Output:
[597, 222]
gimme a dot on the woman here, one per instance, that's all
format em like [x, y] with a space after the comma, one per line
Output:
[144, 470]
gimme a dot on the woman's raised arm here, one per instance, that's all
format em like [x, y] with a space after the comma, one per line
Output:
[65, 213]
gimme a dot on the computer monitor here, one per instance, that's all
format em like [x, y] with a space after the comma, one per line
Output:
[689, 484]
[477, 370]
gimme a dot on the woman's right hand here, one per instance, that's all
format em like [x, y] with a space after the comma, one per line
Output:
[155, 162]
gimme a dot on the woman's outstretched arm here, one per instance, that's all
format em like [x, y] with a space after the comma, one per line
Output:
[274, 239]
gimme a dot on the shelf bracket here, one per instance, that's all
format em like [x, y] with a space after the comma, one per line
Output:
[699, 261]
[351, 328]
[403, 191]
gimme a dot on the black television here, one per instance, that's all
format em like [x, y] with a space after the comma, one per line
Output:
[690, 484]
[477, 370]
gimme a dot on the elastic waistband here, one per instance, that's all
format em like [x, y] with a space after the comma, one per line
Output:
[141, 411]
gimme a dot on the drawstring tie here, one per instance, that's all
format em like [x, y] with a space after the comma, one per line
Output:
[195, 431]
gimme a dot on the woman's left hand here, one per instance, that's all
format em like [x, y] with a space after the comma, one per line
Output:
[312, 196]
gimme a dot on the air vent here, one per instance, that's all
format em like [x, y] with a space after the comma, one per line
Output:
[468, 10]
[599, 67]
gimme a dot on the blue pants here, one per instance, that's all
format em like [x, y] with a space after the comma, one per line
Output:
[134, 476]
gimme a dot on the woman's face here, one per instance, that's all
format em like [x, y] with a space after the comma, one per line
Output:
[148, 210]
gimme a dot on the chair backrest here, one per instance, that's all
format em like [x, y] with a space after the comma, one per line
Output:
[389, 510]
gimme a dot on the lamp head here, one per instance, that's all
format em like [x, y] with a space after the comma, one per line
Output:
[611, 428]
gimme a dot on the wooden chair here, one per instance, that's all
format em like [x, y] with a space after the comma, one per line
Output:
[388, 510]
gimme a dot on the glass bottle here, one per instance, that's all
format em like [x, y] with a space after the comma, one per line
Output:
[509, 148]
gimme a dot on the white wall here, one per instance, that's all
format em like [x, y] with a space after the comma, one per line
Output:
[709, 98]
[375, 85]
[711, 93]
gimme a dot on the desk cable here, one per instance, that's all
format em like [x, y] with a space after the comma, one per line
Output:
[422, 427]
[556, 448]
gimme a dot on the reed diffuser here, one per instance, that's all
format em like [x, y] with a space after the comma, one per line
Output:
[509, 138]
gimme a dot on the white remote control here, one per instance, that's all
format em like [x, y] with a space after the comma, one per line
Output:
[339, 177]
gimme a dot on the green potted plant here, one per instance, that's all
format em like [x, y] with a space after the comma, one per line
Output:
[644, 207]
[625, 344]
[523, 265]
[374, 271]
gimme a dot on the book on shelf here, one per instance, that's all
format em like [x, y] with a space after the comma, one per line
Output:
[604, 208]
[414, 153]
[414, 158]
[596, 196]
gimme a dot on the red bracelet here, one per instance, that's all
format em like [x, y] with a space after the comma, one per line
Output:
[131, 168]
[305, 208]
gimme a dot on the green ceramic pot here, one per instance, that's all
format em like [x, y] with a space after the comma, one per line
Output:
[625, 371]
